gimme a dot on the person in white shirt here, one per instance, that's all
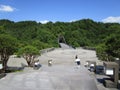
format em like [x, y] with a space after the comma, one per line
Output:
[49, 62]
[77, 60]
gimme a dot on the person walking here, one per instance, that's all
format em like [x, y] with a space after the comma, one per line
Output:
[77, 60]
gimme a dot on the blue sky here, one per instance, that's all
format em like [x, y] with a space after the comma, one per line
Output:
[60, 10]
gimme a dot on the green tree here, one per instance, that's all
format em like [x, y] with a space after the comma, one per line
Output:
[83, 32]
[2, 30]
[101, 52]
[29, 53]
[8, 45]
[113, 45]
[110, 49]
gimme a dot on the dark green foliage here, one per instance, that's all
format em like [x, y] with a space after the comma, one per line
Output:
[113, 45]
[8, 45]
[29, 53]
[31, 50]
[83, 33]
[110, 49]
[101, 52]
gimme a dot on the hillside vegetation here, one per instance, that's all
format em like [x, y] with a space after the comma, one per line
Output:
[105, 37]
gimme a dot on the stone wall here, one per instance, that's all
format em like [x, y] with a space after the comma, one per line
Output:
[46, 50]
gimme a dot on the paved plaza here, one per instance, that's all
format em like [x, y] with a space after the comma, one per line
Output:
[64, 74]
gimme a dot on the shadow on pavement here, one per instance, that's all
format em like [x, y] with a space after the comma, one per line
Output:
[11, 69]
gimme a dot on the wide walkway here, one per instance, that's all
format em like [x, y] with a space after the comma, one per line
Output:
[56, 77]
[62, 75]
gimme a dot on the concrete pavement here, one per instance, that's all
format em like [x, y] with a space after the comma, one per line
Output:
[62, 75]
[56, 77]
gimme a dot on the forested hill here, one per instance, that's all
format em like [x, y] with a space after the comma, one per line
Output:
[105, 37]
[83, 32]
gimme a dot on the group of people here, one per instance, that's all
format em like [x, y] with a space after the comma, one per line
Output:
[77, 61]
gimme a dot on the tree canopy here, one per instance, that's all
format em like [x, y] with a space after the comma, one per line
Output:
[85, 32]
[8, 45]
[29, 53]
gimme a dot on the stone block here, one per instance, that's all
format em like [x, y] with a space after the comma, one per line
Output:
[110, 84]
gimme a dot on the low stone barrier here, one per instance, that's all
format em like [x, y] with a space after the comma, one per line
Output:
[89, 48]
[47, 50]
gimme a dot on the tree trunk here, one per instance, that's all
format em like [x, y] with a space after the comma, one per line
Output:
[26, 57]
[5, 65]
[29, 59]
[29, 64]
[4, 59]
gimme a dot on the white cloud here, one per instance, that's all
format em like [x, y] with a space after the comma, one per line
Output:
[6, 8]
[72, 20]
[111, 19]
[44, 21]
